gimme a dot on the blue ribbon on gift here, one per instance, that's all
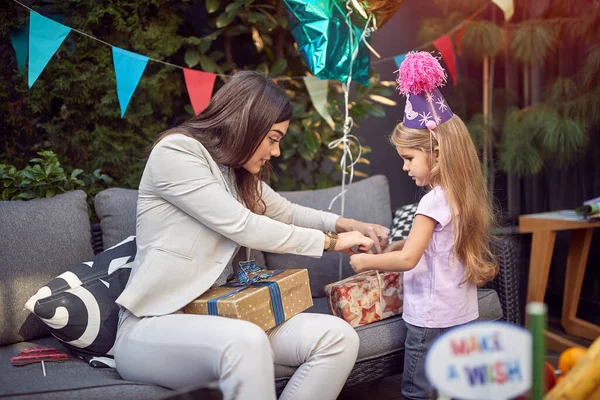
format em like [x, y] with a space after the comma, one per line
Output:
[256, 281]
[245, 269]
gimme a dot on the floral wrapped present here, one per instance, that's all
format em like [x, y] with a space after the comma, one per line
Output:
[266, 298]
[366, 297]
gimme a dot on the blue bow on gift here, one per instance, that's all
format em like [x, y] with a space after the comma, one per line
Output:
[244, 282]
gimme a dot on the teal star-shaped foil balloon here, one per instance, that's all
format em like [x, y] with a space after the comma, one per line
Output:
[323, 37]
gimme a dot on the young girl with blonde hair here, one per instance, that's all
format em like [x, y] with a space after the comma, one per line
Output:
[447, 254]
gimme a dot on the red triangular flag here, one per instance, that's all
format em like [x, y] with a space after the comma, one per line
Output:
[458, 37]
[459, 34]
[199, 86]
[444, 46]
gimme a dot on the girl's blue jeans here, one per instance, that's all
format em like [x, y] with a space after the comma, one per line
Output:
[414, 381]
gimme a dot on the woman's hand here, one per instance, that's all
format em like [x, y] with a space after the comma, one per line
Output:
[395, 246]
[360, 262]
[347, 240]
[378, 233]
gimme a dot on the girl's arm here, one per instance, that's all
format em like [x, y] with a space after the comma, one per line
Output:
[395, 246]
[403, 260]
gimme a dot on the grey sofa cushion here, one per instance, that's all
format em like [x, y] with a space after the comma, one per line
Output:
[367, 200]
[39, 239]
[116, 209]
[73, 379]
[385, 337]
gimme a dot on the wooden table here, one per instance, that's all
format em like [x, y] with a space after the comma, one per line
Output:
[544, 226]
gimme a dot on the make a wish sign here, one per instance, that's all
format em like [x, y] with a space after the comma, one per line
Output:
[481, 360]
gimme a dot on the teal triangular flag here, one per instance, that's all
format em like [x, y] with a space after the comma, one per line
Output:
[45, 37]
[398, 59]
[129, 68]
[20, 42]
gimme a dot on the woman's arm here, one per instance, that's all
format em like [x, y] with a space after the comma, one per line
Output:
[402, 260]
[181, 174]
[281, 209]
[378, 233]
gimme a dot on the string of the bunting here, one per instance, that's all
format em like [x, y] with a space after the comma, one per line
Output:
[282, 78]
[40, 39]
[398, 58]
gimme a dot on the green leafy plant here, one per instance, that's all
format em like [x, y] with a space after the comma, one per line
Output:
[73, 107]
[44, 177]
[548, 121]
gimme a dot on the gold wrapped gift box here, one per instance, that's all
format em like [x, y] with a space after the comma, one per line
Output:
[256, 302]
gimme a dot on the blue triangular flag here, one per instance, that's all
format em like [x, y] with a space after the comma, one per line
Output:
[129, 68]
[398, 59]
[20, 42]
[45, 37]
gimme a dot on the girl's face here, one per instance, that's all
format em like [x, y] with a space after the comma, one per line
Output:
[416, 164]
[268, 148]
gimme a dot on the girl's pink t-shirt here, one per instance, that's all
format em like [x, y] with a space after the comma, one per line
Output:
[433, 297]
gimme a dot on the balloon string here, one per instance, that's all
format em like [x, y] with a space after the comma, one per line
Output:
[345, 140]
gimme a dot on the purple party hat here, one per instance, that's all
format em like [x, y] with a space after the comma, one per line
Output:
[419, 77]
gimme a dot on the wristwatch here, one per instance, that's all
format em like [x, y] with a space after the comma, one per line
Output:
[333, 238]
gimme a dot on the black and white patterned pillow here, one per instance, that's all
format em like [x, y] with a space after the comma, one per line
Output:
[79, 306]
[403, 222]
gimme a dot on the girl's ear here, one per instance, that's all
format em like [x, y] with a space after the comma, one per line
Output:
[436, 154]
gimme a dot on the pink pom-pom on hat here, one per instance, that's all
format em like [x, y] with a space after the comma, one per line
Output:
[420, 72]
[431, 125]
[419, 78]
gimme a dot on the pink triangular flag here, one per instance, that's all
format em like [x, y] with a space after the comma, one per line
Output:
[199, 86]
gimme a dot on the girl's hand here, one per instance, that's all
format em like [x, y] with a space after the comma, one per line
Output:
[360, 262]
[378, 233]
[348, 240]
[395, 246]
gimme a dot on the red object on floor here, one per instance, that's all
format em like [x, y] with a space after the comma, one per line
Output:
[37, 354]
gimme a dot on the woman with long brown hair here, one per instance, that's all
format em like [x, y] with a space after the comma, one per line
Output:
[201, 197]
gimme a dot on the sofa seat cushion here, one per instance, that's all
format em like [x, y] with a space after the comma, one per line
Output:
[378, 339]
[73, 379]
[39, 239]
[385, 337]
[367, 200]
[490, 308]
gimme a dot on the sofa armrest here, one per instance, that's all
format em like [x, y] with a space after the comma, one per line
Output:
[506, 283]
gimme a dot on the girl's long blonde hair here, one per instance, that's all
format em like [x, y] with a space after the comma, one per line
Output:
[458, 172]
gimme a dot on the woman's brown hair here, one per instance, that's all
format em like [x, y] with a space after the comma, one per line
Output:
[235, 123]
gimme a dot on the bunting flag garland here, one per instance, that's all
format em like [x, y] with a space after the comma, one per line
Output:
[20, 42]
[507, 7]
[317, 90]
[458, 37]
[129, 68]
[398, 59]
[199, 86]
[458, 32]
[444, 46]
[45, 37]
